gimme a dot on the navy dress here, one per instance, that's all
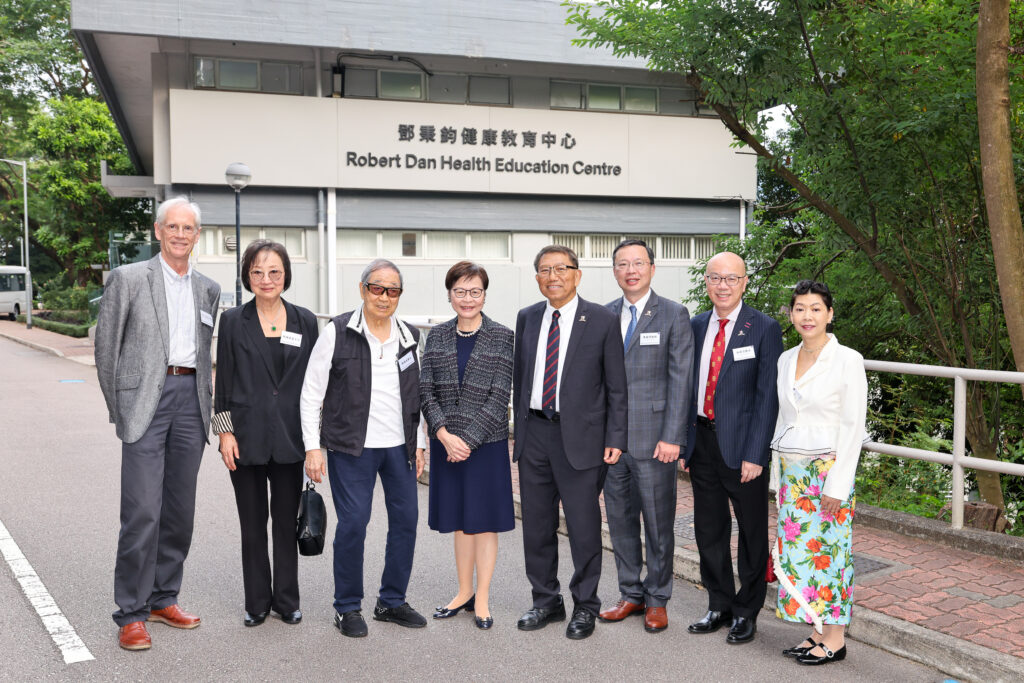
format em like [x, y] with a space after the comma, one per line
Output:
[473, 496]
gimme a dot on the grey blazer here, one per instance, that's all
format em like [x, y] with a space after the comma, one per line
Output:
[476, 411]
[659, 374]
[130, 362]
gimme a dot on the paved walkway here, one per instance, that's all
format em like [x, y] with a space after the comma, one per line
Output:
[957, 610]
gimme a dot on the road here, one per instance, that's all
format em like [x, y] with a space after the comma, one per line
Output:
[59, 482]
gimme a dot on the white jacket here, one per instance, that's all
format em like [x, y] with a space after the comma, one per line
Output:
[824, 412]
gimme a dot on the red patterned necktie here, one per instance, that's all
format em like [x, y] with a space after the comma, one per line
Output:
[717, 355]
[551, 368]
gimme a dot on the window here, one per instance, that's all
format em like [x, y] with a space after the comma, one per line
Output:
[360, 82]
[666, 247]
[604, 97]
[676, 247]
[442, 245]
[640, 99]
[566, 95]
[401, 85]
[488, 90]
[219, 241]
[242, 74]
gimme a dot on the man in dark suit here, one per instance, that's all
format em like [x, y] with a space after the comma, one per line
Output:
[727, 450]
[570, 424]
[659, 363]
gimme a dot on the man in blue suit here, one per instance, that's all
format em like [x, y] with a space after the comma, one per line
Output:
[736, 350]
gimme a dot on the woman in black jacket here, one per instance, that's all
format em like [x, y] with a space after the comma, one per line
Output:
[465, 382]
[262, 351]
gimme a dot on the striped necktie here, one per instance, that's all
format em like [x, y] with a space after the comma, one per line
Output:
[551, 368]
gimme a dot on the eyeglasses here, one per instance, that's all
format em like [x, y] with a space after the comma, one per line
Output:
[187, 230]
[626, 265]
[460, 293]
[273, 275]
[731, 280]
[559, 270]
[377, 290]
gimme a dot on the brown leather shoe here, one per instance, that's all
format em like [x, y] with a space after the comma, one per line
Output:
[622, 609]
[655, 619]
[134, 636]
[172, 615]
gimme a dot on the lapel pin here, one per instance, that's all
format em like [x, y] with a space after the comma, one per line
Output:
[740, 333]
[648, 314]
[583, 319]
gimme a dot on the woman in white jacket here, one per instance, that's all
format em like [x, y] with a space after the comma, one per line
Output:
[817, 443]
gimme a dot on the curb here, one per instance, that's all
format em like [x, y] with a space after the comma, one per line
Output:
[34, 345]
[960, 658]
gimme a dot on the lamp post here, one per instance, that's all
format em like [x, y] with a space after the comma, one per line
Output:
[238, 176]
[24, 242]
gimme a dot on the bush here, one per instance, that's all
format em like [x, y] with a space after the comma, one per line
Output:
[60, 328]
[70, 299]
[72, 317]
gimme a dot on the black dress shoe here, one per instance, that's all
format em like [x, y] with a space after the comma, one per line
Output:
[809, 659]
[445, 613]
[711, 622]
[539, 617]
[255, 619]
[483, 623]
[799, 649]
[581, 625]
[742, 631]
[403, 615]
[290, 617]
[351, 623]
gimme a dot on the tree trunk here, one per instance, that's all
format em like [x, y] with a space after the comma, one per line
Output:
[982, 446]
[993, 89]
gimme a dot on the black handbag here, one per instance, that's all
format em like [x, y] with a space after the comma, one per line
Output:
[312, 522]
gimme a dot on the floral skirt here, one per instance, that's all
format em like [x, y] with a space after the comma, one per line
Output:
[815, 548]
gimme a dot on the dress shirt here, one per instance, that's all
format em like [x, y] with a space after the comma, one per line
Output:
[625, 316]
[384, 427]
[708, 346]
[567, 314]
[181, 316]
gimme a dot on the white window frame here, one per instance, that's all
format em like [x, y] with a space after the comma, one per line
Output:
[424, 238]
[224, 231]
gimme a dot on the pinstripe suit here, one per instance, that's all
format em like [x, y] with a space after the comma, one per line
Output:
[658, 377]
[746, 406]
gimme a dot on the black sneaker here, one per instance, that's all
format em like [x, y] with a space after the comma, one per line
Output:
[351, 624]
[403, 615]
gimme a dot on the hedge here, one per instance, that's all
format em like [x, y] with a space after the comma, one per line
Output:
[59, 328]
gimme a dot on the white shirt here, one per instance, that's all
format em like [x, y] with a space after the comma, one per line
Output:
[181, 316]
[626, 316]
[567, 314]
[384, 427]
[708, 347]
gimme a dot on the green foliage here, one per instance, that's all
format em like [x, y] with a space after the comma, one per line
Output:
[70, 299]
[58, 327]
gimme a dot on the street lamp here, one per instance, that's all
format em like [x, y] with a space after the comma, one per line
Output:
[238, 176]
[24, 243]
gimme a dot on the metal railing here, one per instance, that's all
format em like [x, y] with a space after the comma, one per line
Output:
[957, 459]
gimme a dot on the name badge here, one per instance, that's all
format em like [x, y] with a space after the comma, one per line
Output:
[650, 338]
[406, 360]
[291, 338]
[743, 353]
[206, 317]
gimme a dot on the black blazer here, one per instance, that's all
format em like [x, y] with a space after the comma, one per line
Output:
[258, 407]
[592, 397]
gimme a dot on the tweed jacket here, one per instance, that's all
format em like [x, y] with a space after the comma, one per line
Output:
[476, 411]
[132, 345]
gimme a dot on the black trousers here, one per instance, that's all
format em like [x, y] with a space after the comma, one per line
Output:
[715, 485]
[545, 478]
[263, 590]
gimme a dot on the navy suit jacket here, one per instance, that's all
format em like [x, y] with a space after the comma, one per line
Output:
[746, 398]
[592, 393]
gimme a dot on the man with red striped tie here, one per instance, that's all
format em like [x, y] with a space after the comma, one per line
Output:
[571, 413]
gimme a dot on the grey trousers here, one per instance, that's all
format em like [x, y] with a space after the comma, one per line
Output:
[158, 494]
[642, 487]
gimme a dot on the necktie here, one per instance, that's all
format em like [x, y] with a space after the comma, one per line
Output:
[551, 368]
[717, 354]
[632, 326]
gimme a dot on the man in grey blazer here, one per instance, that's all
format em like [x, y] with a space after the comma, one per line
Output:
[153, 341]
[658, 346]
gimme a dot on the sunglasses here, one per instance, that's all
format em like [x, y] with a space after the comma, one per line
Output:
[377, 290]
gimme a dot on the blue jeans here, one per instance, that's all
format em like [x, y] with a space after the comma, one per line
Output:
[352, 482]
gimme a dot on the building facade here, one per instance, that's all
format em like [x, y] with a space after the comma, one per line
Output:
[423, 132]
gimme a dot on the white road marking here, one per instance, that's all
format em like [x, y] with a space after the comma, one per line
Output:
[64, 636]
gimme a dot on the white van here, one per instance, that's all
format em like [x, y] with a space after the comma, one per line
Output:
[12, 290]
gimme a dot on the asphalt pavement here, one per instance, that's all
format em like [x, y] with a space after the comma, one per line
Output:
[59, 483]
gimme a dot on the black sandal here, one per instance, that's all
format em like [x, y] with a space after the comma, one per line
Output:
[800, 649]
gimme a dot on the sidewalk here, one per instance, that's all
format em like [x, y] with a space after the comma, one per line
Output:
[953, 600]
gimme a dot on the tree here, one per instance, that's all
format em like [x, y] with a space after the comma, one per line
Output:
[880, 99]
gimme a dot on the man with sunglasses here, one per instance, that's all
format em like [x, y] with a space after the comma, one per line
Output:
[570, 425]
[153, 340]
[363, 379]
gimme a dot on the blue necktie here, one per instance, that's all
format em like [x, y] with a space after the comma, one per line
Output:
[631, 328]
[550, 386]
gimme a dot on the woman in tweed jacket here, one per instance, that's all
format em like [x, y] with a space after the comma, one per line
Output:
[465, 382]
